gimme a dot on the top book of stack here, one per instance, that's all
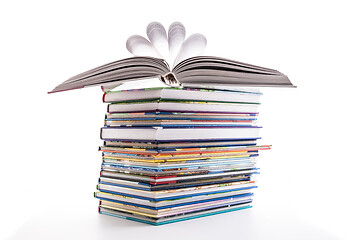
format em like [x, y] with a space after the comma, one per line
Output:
[188, 69]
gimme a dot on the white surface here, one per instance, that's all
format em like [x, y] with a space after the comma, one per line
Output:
[266, 222]
[49, 148]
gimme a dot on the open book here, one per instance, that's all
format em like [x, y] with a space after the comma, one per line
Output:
[188, 69]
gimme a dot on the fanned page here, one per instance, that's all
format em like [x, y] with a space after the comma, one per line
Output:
[172, 46]
[157, 36]
[193, 46]
[176, 37]
[140, 46]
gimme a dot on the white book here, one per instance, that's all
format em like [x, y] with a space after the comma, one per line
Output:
[163, 134]
[163, 105]
[179, 93]
[115, 123]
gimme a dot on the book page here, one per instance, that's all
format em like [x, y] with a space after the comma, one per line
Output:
[157, 36]
[193, 46]
[176, 37]
[140, 46]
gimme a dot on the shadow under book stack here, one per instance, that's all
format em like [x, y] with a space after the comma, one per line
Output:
[173, 154]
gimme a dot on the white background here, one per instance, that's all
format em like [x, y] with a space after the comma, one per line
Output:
[309, 183]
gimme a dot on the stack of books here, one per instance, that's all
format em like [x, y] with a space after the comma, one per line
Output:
[173, 154]
[183, 151]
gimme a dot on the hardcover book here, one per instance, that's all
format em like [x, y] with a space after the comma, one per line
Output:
[188, 69]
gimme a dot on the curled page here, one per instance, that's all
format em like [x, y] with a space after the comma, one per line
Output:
[176, 37]
[157, 36]
[140, 46]
[193, 46]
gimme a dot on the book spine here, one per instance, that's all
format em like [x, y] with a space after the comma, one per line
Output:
[103, 97]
